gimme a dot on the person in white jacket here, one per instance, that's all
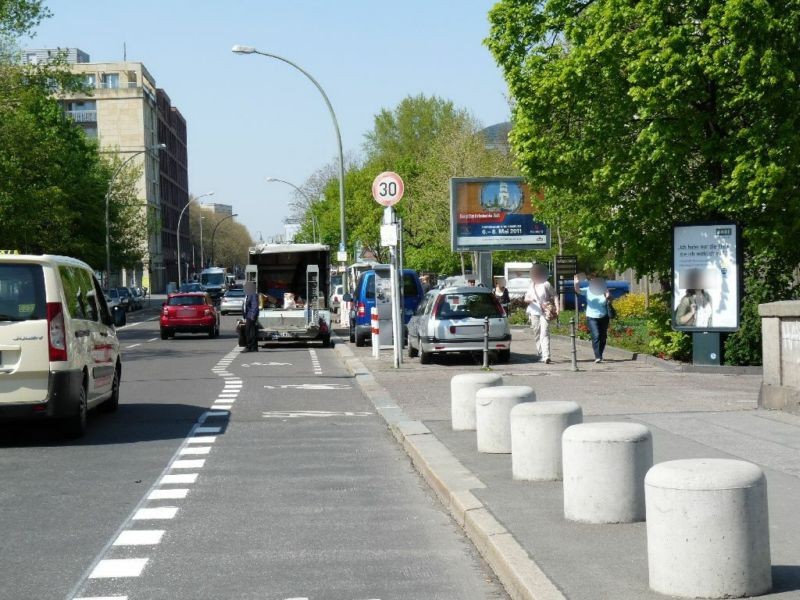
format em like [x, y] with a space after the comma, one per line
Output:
[542, 308]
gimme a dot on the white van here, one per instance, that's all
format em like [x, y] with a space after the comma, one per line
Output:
[59, 352]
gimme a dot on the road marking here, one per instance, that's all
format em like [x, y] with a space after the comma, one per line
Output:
[207, 430]
[139, 537]
[297, 414]
[315, 362]
[310, 386]
[118, 567]
[160, 513]
[138, 323]
[202, 439]
[180, 478]
[195, 450]
[152, 339]
[188, 464]
[168, 494]
[269, 364]
[218, 413]
[132, 346]
[101, 598]
[228, 394]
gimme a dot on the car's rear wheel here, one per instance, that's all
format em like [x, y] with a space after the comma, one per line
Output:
[75, 426]
[424, 357]
[112, 404]
[352, 335]
[164, 333]
[326, 341]
[503, 356]
[361, 340]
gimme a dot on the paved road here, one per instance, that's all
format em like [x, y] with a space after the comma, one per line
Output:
[227, 475]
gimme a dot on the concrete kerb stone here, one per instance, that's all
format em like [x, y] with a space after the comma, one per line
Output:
[452, 482]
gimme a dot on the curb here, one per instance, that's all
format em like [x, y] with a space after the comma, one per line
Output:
[452, 483]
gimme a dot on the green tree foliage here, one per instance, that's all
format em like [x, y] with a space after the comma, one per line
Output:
[20, 17]
[231, 242]
[645, 113]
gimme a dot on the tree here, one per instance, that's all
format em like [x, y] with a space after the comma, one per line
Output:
[646, 113]
[20, 17]
[231, 242]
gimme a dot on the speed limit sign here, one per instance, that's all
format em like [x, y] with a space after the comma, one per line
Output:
[388, 188]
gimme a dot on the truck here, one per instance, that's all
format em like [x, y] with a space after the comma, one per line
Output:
[214, 281]
[518, 278]
[293, 285]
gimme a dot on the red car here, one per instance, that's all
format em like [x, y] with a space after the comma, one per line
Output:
[191, 312]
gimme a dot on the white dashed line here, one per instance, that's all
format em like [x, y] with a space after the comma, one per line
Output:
[315, 362]
[188, 464]
[161, 513]
[180, 478]
[202, 439]
[207, 430]
[118, 567]
[139, 537]
[168, 494]
[101, 598]
[132, 346]
[195, 450]
[152, 339]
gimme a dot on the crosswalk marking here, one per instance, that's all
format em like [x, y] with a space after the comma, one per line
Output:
[118, 567]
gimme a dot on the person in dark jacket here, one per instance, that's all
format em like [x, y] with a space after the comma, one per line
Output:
[251, 318]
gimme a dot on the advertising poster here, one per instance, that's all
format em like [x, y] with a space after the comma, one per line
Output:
[489, 214]
[706, 277]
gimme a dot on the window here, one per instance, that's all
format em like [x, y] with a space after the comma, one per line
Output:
[186, 301]
[22, 295]
[90, 79]
[462, 306]
[111, 80]
[79, 293]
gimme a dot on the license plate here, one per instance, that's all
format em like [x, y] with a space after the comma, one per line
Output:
[286, 334]
[186, 313]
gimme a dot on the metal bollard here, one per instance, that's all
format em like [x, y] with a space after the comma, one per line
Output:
[485, 342]
[376, 332]
[574, 344]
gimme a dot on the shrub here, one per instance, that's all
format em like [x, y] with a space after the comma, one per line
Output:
[664, 341]
[631, 305]
[518, 317]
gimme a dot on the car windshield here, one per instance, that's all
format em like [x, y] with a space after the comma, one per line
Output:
[467, 305]
[191, 287]
[124, 292]
[186, 300]
[234, 294]
[212, 278]
[112, 293]
[22, 295]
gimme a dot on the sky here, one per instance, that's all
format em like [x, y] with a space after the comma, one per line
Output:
[250, 117]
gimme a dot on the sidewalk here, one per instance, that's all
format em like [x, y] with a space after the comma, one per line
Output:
[691, 415]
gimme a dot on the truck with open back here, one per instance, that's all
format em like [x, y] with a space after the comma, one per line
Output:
[293, 286]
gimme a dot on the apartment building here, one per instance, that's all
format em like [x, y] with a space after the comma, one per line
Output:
[129, 116]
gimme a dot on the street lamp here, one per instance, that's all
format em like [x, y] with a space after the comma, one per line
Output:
[178, 232]
[238, 49]
[202, 254]
[156, 148]
[314, 224]
[214, 232]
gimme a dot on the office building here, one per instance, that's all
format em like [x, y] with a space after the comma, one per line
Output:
[226, 210]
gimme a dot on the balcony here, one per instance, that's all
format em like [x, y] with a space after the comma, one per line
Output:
[83, 116]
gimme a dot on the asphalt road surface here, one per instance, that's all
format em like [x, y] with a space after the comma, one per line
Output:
[226, 475]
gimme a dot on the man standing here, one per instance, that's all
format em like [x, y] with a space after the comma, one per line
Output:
[251, 317]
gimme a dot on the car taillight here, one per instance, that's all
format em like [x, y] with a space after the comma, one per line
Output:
[362, 310]
[207, 312]
[56, 333]
[166, 312]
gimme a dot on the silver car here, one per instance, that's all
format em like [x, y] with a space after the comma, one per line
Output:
[451, 320]
[232, 302]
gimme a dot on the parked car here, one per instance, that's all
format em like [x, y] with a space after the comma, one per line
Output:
[192, 312]
[127, 296]
[59, 353]
[452, 320]
[336, 298]
[232, 301]
[365, 297]
[140, 294]
[191, 287]
[121, 299]
[115, 308]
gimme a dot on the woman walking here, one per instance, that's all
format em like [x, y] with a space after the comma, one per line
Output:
[597, 317]
[501, 292]
[541, 310]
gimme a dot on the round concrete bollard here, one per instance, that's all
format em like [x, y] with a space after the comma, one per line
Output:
[493, 415]
[462, 397]
[536, 430]
[604, 469]
[708, 529]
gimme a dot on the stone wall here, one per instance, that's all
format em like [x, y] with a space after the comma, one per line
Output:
[780, 331]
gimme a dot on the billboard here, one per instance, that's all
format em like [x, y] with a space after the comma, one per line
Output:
[706, 277]
[489, 213]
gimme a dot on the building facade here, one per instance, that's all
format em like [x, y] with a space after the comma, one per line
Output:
[225, 210]
[123, 113]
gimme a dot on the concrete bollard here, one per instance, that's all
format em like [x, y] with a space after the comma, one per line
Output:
[604, 468]
[462, 397]
[493, 415]
[536, 430]
[708, 529]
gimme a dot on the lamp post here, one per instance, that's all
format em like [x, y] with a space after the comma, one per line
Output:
[156, 148]
[178, 231]
[314, 224]
[202, 254]
[214, 232]
[238, 49]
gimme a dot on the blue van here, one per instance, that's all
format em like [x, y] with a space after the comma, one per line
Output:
[365, 298]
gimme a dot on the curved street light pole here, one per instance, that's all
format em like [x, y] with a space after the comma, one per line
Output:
[117, 171]
[178, 230]
[238, 49]
[214, 232]
[314, 224]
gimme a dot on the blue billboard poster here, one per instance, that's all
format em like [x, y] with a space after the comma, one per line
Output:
[706, 278]
[489, 214]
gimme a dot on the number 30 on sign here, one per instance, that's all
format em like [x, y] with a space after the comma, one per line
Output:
[388, 188]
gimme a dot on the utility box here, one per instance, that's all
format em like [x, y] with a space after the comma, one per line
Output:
[780, 333]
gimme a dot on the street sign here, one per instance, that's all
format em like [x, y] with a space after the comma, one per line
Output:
[341, 256]
[389, 235]
[388, 188]
[566, 265]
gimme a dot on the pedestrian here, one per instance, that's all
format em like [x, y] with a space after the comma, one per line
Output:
[541, 310]
[597, 315]
[426, 284]
[501, 292]
[251, 317]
